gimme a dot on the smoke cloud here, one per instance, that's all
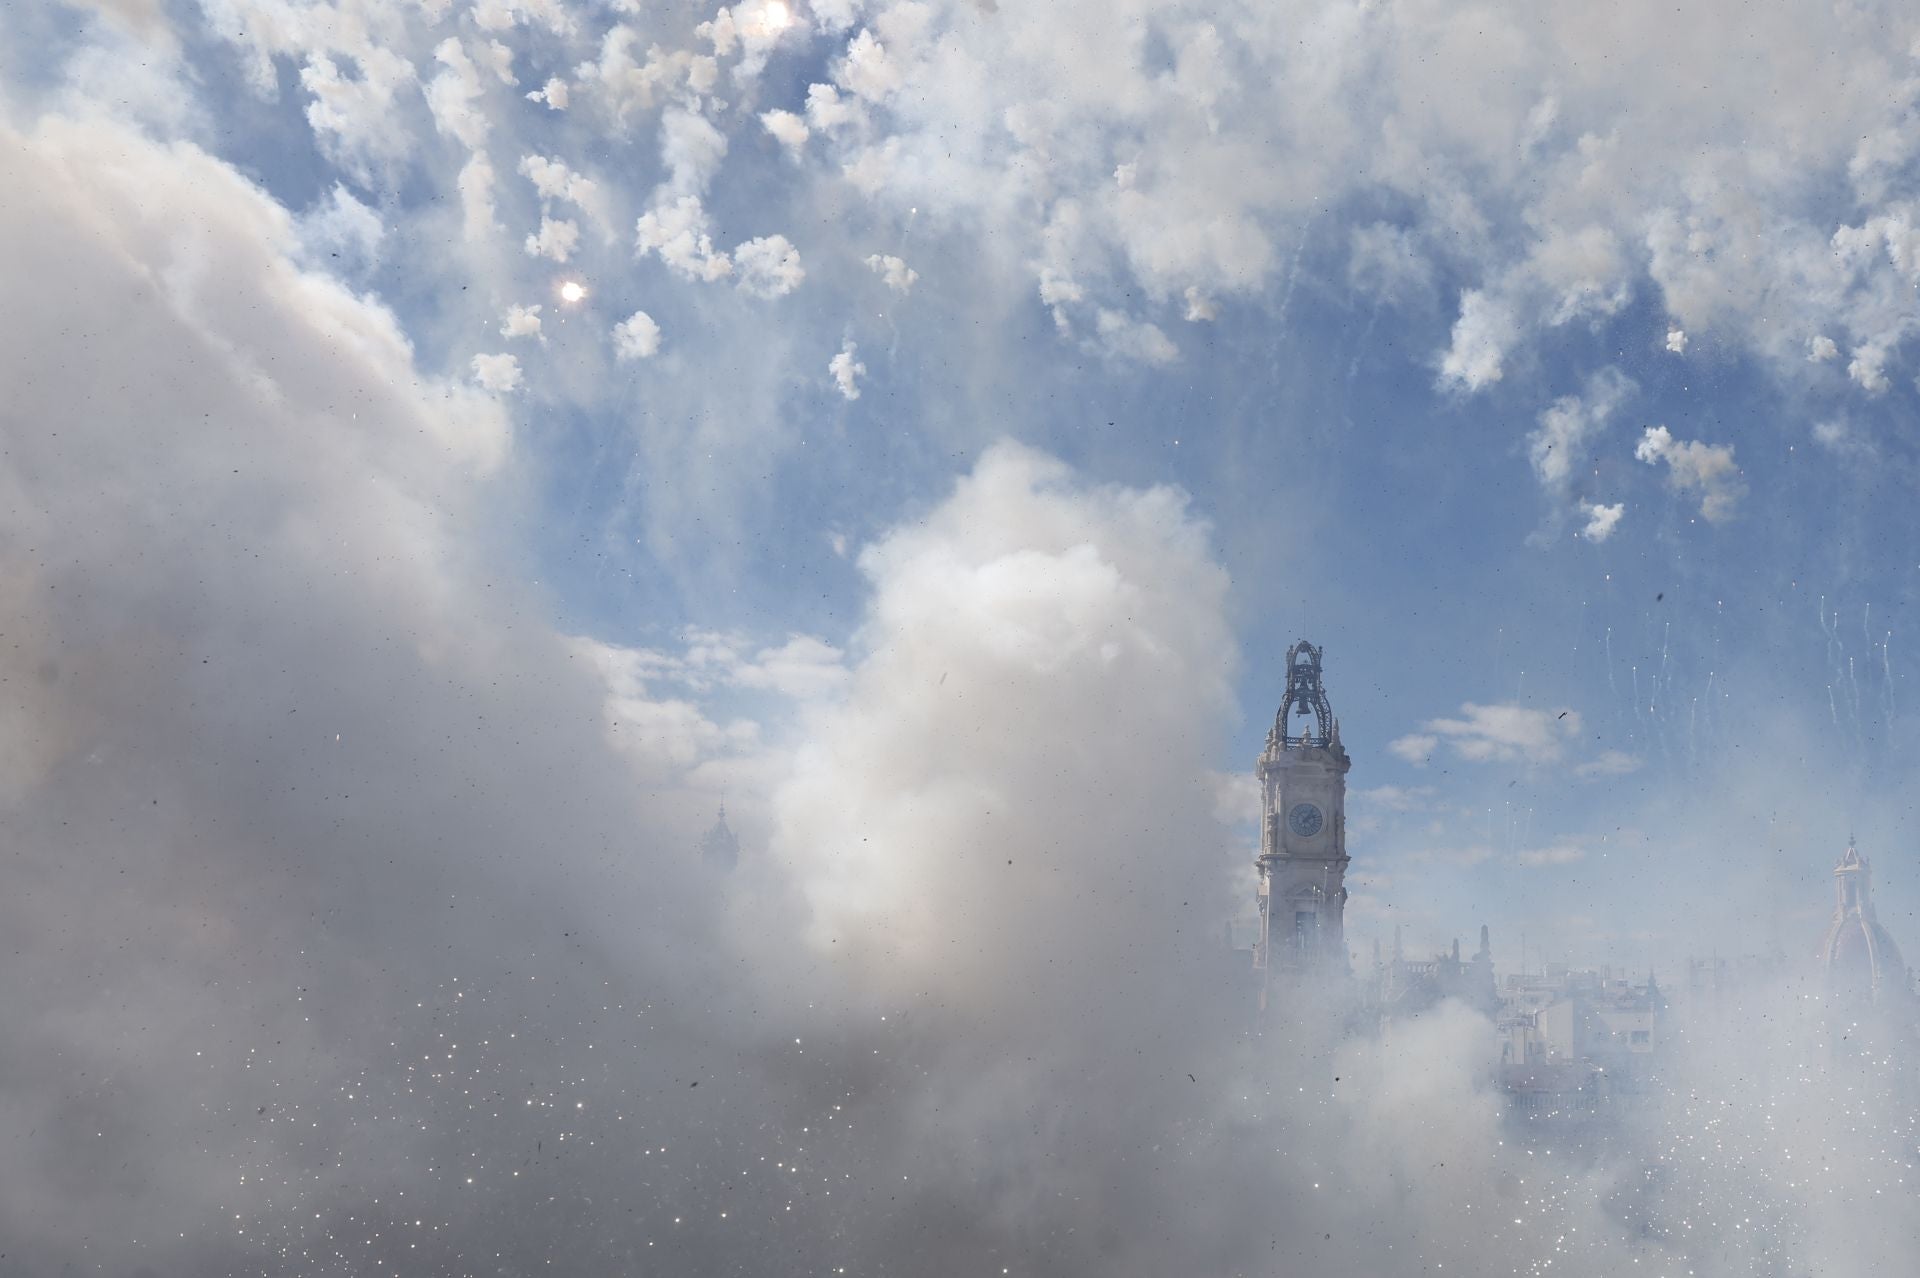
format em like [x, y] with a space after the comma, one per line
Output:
[355, 917]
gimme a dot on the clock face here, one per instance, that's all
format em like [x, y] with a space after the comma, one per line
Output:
[1304, 819]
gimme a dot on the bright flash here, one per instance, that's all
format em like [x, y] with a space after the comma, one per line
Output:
[572, 291]
[777, 16]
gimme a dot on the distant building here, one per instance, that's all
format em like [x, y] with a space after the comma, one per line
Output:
[1572, 1041]
[1302, 894]
[1862, 962]
[1717, 982]
[1407, 987]
[719, 847]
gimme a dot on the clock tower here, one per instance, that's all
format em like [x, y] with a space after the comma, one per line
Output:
[1303, 835]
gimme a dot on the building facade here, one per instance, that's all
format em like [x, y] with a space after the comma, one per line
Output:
[1302, 893]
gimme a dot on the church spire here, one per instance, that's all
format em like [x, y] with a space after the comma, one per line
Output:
[719, 846]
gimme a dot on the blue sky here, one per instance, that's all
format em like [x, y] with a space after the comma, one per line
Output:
[1337, 326]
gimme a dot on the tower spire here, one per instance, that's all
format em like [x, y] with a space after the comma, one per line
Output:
[1303, 858]
[1305, 695]
[719, 846]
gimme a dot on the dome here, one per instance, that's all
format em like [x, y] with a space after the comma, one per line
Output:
[1862, 960]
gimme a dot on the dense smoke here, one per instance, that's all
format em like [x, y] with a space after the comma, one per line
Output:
[353, 913]
[342, 942]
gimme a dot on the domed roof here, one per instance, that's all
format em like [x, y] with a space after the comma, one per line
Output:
[1862, 960]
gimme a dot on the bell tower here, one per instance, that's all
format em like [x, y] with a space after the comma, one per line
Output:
[1303, 835]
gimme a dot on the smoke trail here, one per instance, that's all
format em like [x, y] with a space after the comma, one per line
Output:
[1638, 716]
[1886, 667]
[1853, 684]
[1293, 270]
[1666, 639]
[1611, 688]
[1707, 696]
[1833, 639]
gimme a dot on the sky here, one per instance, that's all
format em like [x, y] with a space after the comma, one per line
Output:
[449, 450]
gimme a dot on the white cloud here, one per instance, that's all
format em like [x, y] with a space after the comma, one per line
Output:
[340, 233]
[1692, 466]
[1398, 798]
[1551, 199]
[788, 129]
[679, 233]
[847, 372]
[1609, 763]
[1553, 854]
[1601, 520]
[521, 321]
[498, 373]
[556, 239]
[893, 272]
[1236, 798]
[1459, 858]
[499, 60]
[661, 704]
[555, 181]
[1482, 335]
[828, 111]
[626, 85]
[1415, 748]
[636, 337]
[1124, 336]
[769, 266]
[1201, 308]
[692, 149]
[983, 768]
[453, 96]
[805, 668]
[345, 675]
[1868, 367]
[553, 94]
[1557, 446]
[1840, 435]
[676, 226]
[663, 733]
[832, 16]
[1504, 733]
[1384, 262]
[868, 71]
[1558, 450]
[476, 200]
[1677, 340]
[500, 15]
[1821, 349]
[352, 115]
